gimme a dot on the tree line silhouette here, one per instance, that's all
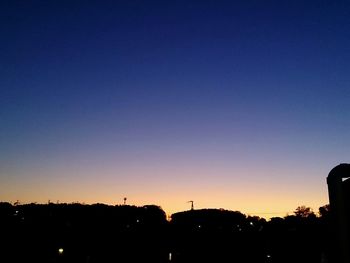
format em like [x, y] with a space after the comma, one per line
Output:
[104, 233]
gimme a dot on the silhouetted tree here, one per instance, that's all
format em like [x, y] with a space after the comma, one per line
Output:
[303, 211]
[324, 211]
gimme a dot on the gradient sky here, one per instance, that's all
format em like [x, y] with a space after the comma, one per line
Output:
[242, 105]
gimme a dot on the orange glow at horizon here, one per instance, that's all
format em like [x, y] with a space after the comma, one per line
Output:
[266, 192]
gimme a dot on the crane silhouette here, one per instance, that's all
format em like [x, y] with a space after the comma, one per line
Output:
[192, 207]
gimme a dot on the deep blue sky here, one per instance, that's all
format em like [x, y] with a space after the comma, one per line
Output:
[166, 101]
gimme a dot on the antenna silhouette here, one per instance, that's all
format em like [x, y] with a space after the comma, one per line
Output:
[192, 207]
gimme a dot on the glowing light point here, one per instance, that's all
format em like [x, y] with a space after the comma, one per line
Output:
[170, 256]
[60, 251]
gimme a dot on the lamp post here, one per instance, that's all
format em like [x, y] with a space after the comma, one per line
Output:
[339, 209]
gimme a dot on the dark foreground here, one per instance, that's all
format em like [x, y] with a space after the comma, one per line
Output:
[100, 233]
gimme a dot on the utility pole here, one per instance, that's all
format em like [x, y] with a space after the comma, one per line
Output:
[192, 207]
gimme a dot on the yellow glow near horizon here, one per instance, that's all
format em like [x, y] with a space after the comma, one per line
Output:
[263, 193]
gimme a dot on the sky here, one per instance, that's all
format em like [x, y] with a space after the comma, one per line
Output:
[241, 105]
